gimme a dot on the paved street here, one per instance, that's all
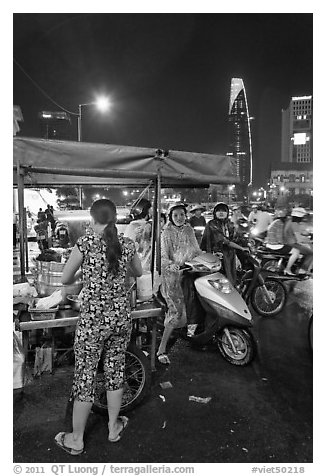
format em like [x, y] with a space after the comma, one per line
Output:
[260, 413]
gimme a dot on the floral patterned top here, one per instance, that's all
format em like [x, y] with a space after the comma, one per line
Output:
[103, 293]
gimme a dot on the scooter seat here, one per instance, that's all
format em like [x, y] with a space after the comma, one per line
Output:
[268, 251]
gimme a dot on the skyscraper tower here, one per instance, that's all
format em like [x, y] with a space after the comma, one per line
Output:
[240, 145]
[297, 131]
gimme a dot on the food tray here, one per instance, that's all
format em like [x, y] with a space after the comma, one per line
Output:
[43, 314]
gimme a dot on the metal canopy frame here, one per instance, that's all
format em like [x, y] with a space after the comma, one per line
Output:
[101, 177]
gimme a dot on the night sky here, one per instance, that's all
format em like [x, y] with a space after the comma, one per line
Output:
[168, 75]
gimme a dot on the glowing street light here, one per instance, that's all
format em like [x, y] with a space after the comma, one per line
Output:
[102, 103]
[230, 188]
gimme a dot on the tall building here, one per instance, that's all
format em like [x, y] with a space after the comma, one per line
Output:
[240, 144]
[291, 179]
[297, 131]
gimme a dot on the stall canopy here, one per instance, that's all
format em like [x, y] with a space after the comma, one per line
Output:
[50, 163]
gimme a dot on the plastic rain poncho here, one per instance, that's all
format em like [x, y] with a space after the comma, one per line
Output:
[178, 244]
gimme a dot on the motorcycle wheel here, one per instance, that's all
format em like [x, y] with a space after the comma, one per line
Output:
[137, 382]
[272, 265]
[277, 293]
[244, 346]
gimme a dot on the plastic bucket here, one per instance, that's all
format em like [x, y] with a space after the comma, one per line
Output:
[144, 287]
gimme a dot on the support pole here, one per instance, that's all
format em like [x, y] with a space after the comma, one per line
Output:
[20, 183]
[79, 123]
[26, 241]
[154, 227]
[80, 196]
[158, 228]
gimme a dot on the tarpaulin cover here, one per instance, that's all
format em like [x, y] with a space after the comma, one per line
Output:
[54, 163]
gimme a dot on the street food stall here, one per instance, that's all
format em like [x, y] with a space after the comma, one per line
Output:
[50, 163]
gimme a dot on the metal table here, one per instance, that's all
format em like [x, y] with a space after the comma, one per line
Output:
[150, 310]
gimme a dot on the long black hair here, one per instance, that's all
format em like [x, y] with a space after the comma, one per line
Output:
[104, 212]
[141, 209]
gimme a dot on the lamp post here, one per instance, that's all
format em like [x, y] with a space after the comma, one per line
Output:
[230, 189]
[102, 103]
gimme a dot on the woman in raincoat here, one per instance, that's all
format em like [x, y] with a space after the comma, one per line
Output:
[178, 244]
[217, 238]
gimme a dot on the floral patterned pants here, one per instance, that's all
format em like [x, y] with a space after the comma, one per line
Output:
[91, 341]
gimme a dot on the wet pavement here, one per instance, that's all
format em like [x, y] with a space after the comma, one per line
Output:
[260, 413]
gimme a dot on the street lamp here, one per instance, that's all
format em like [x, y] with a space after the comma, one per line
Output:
[230, 189]
[102, 103]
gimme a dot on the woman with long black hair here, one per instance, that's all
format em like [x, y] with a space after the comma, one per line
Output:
[104, 325]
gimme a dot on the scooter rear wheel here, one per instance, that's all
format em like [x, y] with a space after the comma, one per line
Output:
[271, 304]
[243, 343]
[137, 382]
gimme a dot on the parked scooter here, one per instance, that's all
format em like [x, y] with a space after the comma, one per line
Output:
[266, 293]
[226, 317]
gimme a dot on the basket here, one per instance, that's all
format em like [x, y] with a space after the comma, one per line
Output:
[42, 314]
[49, 266]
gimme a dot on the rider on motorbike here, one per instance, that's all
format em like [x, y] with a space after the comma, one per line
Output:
[218, 238]
[291, 237]
[237, 217]
[259, 220]
[275, 239]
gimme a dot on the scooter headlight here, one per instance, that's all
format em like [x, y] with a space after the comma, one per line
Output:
[222, 285]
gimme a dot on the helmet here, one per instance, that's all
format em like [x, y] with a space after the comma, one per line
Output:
[175, 205]
[196, 207]
[298, 212]
[140, 209]
[254, 206]
[220, 205]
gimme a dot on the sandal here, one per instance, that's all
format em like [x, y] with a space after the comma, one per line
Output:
[288, 273]
[59, 440]
[163, 359]
[124, 421]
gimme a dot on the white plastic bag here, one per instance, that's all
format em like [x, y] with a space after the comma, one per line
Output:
[49, 301]
[24, 290]
[18, 360]
[144, 286]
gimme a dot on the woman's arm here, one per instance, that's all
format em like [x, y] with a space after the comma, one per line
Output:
[69, 274]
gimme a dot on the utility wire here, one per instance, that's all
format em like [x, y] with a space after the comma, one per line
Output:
[42, 90]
